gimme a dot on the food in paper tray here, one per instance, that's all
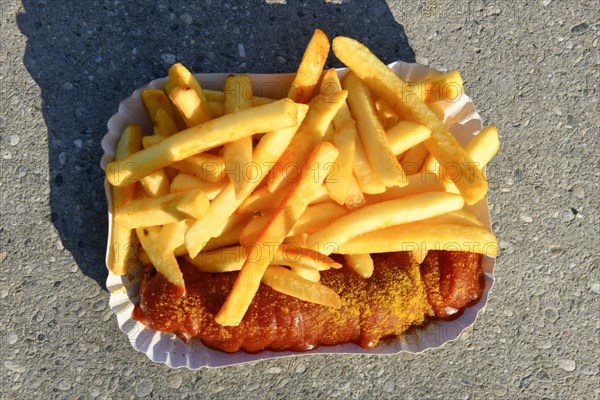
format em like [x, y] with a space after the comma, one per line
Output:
[352, 224]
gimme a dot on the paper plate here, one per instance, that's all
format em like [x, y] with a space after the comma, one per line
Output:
[460, 118]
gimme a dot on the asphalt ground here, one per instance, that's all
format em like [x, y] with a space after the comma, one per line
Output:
[531, 68]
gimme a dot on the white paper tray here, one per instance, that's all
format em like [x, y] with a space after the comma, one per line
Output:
[461, 119]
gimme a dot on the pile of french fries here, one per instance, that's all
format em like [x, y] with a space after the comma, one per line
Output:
[355, 167]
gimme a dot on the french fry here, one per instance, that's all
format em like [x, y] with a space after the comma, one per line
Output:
[318, 216]
[308, 274]
[385, 84]
[387, 116]
[364, 176]
[481, 149]
[310, 68]
[217, 109]
[428, 236]
[413, 159]
[164, 124]
[266, 153]
[205, 166]
[381, 215]
[338, 182]
[448, 86]
[315, 217]
[263, 200]
[154, 100]
[362, 264]
[278, 115]
[320, 114]
[406, 134]
[171, 236]
[238, 155]
[371, 132]
[460, 217]
[229, 234]
[163, 210]
[156, 184]
[287, 282]
[148, 141]
[233, 258]
[418, 183]
[216, 96]
[164, 262]
[190, 106]
[181, 76]
[121, 249]
[484, 146]
[285, 217]
[185, 182]
[354, 197]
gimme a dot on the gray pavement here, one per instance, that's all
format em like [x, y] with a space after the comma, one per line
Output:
[531, 68]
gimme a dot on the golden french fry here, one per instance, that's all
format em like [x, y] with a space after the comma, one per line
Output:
[406, 134]
[263, 200]
[266, 153]
[287, 282]
[163, 210]
[385, 84]
[362, 264]
[217, 109]
[171, 236]
[484, 146]
[320, 114]
[308, 274]
[181, 76]
[190, 106]
[122, 249]
[366, 177]
[413, 159]
[481, 149]
[238, 155]
[354, 197]
[318, 216]
[371, 132]
[418, 183]
[164, 262]
[154, 100]
[448, 86]
[185, 182]
[310, 68]
[218, 97]
[437, 109]
[229, 234]
[314, 218]
[387, 116]
[427, 236]
[381, 215]
[339, 181]
[233, 258]
[148, 141]
[156, 184]
[164, 124]
[293, 205]
[278, 115]
[205, 166]
[460, 217]
[363, 173]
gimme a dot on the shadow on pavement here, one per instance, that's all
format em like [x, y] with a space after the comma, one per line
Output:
[88, 56]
